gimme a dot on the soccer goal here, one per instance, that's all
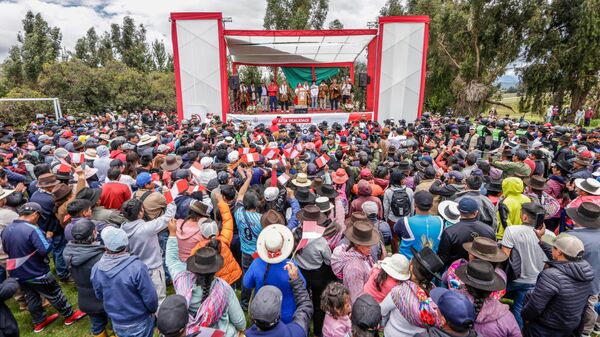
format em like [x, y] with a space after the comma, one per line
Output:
[55, 103]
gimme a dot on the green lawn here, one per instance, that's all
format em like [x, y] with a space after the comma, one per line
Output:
[512, 100]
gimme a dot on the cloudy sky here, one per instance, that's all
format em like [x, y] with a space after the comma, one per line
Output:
[75, 17]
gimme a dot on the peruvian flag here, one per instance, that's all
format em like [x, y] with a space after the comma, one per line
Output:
[292, 152]
[322, 160]
[77, 158]
[283, 161]
[196, 169]
[310, 231]
[64, 168]
[206, 332]
[179, 187]
[250, 157]
[12, 264]
[245, 150]
[283, 179]
[196, 188]
[270, 153]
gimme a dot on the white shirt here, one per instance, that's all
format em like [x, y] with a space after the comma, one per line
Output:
[314, 90]
[395, 324]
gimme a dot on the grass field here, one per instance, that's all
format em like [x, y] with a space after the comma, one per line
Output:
[512, 100]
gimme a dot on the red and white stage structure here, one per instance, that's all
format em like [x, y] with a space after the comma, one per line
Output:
[396, 64]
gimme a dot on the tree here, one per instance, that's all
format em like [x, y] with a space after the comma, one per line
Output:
[250, 74]
[295, 14]
[22, 113]
[39, 44]
[159, 56]
[391, 8]
[562, 54]
[336, 24]
[129, 42]
[86, 48]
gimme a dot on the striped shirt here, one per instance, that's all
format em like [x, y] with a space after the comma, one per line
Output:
[248, 225]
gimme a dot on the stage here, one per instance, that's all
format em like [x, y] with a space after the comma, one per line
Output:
[310, 118]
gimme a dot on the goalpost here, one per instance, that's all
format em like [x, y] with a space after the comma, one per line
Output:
[55, 103]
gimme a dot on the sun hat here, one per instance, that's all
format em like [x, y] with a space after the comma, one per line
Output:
[485, 249]
[91, 194]
[355, 217]
[339, 176]
[311, 213]
[271, 217]
[429, 260]
[172, 315]
[90, 154]
[200, 208]
[366, 313]
[5, 192]
[172, 163]
[271, 193]
[396, 266]
[115, 239]
[587, 215]
[323, 204]
[480, 274]
[494, 186]
[581, 160]
[566, 243]
[327, 190]
[47, 180]
[589, 185]
[455, 307]
[206, 260]
[362, 233]
[104, 137]
[301, 180]
[275, 243]
[146, 139]
[535, 182]
[305, 195]
[448, 209]
[60, 192]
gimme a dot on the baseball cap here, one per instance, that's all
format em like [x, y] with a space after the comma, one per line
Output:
[454, 306]
[30, 208]
[43, 138]
[115, 239]
[567, 244]
[143, 179]
[82, 229]
[467, 205]
[423, 200]
[222, 177]
[521, 154]
[172, 315]
[209, 229]
[366, 312]
[271, 193]
[458, 176]
[266, 306]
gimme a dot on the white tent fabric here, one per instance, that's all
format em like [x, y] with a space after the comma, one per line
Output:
[273, 50]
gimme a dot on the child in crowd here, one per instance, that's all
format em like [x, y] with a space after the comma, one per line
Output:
[335, 301]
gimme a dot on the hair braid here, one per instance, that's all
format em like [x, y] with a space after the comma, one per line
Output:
[204, 281]
[479, 297]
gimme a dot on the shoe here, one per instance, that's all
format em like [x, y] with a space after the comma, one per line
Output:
[77, 315]
[41, 326]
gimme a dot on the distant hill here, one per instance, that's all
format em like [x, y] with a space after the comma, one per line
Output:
[507, 81]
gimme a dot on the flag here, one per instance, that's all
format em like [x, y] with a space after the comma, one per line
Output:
[283, 161]
[310, 231]
[196, 169]
[207, 332]
[250, 157]
[273, 177]
[283, 179]
[270, 153]
[292, 152]
[322, 160]
[77, 158]
[12, 264]
[64, 168]
[196, 188]
[179, 187]
[245, 150]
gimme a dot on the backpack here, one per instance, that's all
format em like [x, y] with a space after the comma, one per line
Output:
[400, 203]
[142, 198]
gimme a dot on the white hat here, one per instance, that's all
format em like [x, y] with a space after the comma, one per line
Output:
[590, 185]
[448, 209]
[206, 162]
[275, 243]
[5, 193]
[146, 139]
[229, 140]
[233, 156]
[370, 207]
[90, 154]
[208, 229]
[396, 266]
[271, 193]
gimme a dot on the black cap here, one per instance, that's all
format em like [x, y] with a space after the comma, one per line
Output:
[172, 316]
[82, 229]
[423, 200]
[366, 313]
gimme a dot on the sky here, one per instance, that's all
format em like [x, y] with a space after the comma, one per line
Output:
[75, 17]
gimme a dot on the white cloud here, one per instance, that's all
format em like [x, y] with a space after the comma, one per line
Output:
[75, 17]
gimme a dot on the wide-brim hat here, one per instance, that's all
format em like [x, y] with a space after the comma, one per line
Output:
[396, 266]
[275, 243]
[60, 192]
[429, 260]
[583, 161]
[91, 194]
[104, 137]
[90, 154]
[311, 213]
[47, 180]
[404, 165]
[200, 208]
[327, 190]
[535, 182]
[494, 186]
[485, 249]
[271, 217]
[590, 185]
[362, 233]
[171, 163]
[587, 215]
[324, 204]
[146, 139]
[5, 193]
[301, 180]
[340, 176]
[449, 211]
[89, 172]
[206, 260]
[355, 217]
[305, 195]
[563, 165]
[481, 275]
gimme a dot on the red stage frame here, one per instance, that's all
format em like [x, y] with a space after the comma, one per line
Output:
[373, 58]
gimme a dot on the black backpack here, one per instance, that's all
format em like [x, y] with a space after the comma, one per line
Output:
[400, 203]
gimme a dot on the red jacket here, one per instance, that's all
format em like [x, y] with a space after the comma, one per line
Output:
[114, 194]
[273, 89]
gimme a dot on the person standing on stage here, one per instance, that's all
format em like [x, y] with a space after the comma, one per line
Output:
[334, 95]
[314, 95]
[285, 95]
[253, 93]
[347, 92]
[264, 98]
[272, 91]
[323, 91]
[244, 98]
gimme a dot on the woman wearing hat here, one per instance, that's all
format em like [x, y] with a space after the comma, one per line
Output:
[407, 309]
[189, 229]
[352, 262]
[482, 282]
[387, 274]
[274, 245]
[212, 302]
[63, 194]
[556, 187]
[342, 186]
[337, 212]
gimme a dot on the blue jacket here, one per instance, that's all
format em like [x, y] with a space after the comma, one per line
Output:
[48, 221]
[13, 177]
[19, 239]
[183, 206]
[124, 285]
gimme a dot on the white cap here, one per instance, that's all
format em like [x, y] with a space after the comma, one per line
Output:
[271, 193]
[233, 156]
[206, 162]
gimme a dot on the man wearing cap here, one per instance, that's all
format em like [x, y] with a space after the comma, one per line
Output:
[172, 319]
[454, 183]
[122, 282]
[556, 305]
[487, 210]
[457, 315]
[23, 239]
[366, 316]
[453, 238]
[154, 202]
[515, 168]
[265, 312]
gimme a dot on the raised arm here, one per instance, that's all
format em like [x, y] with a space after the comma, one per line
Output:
[244, 188]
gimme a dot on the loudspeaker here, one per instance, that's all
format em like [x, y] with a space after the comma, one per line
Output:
[234, 82]
[363, 80]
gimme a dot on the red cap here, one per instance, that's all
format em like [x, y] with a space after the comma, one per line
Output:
[67, 134]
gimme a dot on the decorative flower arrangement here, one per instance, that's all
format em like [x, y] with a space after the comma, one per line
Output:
[348, 107]
[425, 310]
[251, 109]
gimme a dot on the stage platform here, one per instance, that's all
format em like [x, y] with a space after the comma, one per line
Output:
[313, 117]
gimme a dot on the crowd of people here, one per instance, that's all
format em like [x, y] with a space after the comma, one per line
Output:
[445, 226]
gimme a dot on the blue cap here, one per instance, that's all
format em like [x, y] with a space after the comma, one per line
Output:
[143, 179]
[115, 239]
[454, 306]
[457, 175]
[467, 206]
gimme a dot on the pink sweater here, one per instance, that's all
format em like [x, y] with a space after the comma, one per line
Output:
[336, 327]
[386, 287]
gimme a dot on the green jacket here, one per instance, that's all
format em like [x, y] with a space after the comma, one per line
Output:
[513, 198]
[512, 169]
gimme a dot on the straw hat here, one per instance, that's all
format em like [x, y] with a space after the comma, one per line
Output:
[275, 243]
